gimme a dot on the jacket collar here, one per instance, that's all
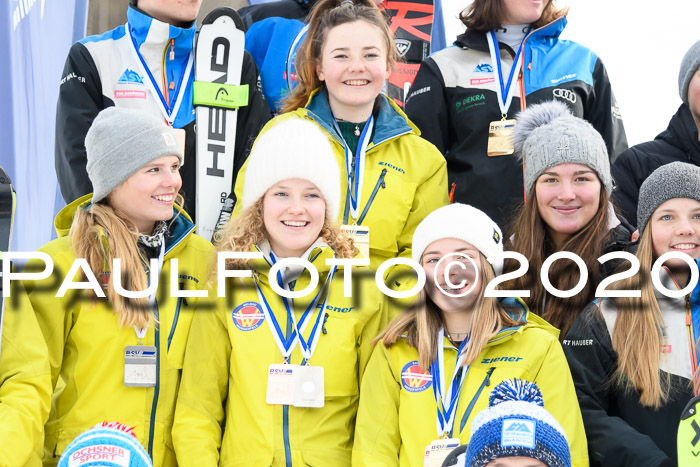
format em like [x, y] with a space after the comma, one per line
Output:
[683, 133]
[149, 31]
[477, 40]
[179, 227]
[390, 120]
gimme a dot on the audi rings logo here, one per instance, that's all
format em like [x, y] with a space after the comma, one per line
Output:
[566, 94]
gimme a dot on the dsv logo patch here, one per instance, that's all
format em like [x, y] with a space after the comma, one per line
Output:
[566, 94]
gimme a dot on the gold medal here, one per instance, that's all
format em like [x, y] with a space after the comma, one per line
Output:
[501, 138]
[360, 236]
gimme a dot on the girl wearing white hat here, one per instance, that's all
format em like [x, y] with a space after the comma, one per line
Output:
[426, 378]
[286, 371]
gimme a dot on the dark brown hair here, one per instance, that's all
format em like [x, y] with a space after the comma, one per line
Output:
[485, 15]
[325, 15]
[530, 238]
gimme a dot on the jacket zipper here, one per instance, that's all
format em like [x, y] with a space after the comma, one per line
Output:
[470, 407]
[156, 390]
[346, 213]
[177, 315]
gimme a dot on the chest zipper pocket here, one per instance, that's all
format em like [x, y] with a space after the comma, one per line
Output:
[470, 407]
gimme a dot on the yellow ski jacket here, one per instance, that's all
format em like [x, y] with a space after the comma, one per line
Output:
[87, 347]
[405, 176]
[222, 417]
[25, 383]
[397, 415]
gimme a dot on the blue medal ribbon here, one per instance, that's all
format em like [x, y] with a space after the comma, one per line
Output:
[286, 346]
[447, 402]
[356, 173]
[169, 111]
[503, 89]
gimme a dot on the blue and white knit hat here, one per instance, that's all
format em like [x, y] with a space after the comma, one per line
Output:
[516, 424]
[105, 445]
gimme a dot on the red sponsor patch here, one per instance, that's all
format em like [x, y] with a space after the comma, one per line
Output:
[248, 316]
[477, 81]
[130, 94]
[413, 379]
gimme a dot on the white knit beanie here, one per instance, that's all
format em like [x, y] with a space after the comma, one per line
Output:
[293, 148]
[462, 222]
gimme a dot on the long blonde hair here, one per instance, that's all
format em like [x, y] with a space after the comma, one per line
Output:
[102, 233]
[637, 335]
[421, 322]
[325, 15]
[248, 229]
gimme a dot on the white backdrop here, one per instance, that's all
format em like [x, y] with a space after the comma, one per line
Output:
[641, 43]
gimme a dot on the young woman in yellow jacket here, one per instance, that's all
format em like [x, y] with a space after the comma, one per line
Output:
[432, 369]
[390, 178]
[114, 358]
[269, 380]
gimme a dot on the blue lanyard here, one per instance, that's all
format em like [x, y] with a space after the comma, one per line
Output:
[168, 111]
[285, 345]
[356, 174]
[447, 402]
[504, 96]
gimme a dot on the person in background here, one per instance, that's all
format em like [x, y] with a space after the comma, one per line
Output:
[427, 377]
[146, 65]
[390, 177]
[679, 142]
[465, 97]
[115, 357]
[634, 360]
[568, 209]
[246, 413]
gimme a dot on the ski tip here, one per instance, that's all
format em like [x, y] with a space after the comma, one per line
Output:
[4, 178]
[217, 13]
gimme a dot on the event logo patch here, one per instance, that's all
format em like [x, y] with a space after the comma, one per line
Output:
[248, 316]
[130, 76]
[517, 432]
[483, 68]
[413, 379]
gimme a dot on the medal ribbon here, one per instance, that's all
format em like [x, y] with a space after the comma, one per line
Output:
[286, 346]
[693, 325]
[169, 111]
[141, 333]
[503, 89]
[356, 175]
[447, 401]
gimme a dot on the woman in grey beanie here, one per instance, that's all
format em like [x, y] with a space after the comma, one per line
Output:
[105, 346]
[635, 359]
[567, 181]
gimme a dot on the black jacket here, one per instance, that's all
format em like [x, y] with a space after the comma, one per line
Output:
[101, 72]
[290, 9]
[679, 142]
[453, 99]
[620, 431]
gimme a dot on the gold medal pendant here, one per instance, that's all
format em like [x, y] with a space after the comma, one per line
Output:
[501, 138]
[360, 236]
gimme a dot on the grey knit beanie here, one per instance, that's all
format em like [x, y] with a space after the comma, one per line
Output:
[120, 142]
[548, 134]
[689, 65]
[674, 180]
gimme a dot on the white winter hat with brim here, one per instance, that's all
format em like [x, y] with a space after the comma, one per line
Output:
[293, 148]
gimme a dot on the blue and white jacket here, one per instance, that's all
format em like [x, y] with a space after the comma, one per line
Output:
[453, 100]
[103, 71]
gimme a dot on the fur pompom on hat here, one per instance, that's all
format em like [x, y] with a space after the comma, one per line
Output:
[674, 180]
[121, 141]
[107, 444]
[516, 424]
[462, 222]
[293, 148]
[689, 65]
[548, 134]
